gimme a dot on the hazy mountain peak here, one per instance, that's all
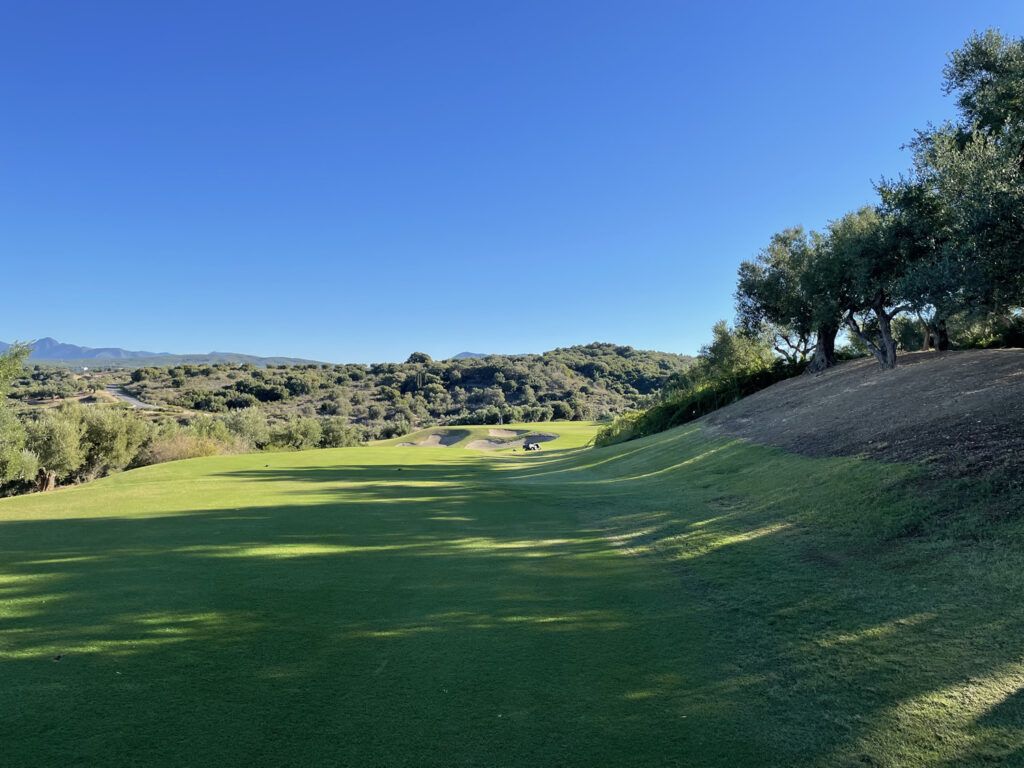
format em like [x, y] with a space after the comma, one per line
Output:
[49, 348]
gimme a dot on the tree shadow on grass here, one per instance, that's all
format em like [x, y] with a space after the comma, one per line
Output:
[461, 626]
[483, 613]
[860, 644]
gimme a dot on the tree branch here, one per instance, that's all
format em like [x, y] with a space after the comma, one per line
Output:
[852, 324]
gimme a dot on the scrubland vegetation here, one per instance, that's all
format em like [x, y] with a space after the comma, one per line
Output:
[204, 410]
[388, 399]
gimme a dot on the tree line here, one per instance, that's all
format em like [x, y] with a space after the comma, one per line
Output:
[936, 262]
[943, 245]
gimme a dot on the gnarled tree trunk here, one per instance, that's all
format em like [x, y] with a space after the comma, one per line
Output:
[940, 334]
[46, 480]
[936, 334]
[928, 341]
[825, 350]
[884, 347]
[886, 342]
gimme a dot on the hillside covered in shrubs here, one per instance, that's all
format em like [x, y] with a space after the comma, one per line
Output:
[385, 400]
[59, 427]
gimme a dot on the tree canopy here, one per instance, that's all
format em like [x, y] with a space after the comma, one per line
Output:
[944, 242]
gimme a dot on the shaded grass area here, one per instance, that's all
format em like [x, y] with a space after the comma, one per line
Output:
[875, 616]
[671, 601]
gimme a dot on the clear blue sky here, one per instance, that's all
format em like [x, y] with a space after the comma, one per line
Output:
[356, 181]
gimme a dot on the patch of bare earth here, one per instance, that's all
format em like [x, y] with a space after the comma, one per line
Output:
[961, 413]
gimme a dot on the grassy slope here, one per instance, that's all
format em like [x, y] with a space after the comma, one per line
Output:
[481, 609]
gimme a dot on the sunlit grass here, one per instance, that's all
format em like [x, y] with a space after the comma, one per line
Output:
[671, 601]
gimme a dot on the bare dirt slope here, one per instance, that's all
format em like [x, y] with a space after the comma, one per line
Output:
[962, 413]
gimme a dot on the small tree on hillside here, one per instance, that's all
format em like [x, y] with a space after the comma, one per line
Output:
[730, 355]
[249, 425]
[111, 438]
[779, 293]
[16, 461]
[55, 437]
[967, 194]
[298, 433]
[868, 270]
[12, 363]
[959, 217]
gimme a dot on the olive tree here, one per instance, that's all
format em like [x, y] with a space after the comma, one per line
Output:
[16, 461]
[249, 425]
[780, 293]
[986, 74]
[867, 279]
[111, 438]
[55, 437]
[959, 216]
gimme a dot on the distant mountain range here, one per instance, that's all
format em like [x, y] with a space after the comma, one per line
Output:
[59, 353]
[54, 351]
[51, 349]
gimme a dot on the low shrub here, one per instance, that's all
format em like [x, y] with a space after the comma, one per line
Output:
[181, 445]
[690, 404]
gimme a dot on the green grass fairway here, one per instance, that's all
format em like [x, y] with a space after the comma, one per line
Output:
[674, 601]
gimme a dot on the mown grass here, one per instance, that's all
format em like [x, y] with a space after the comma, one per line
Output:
[671, 601]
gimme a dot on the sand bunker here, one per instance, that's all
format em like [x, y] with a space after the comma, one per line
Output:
[443, 439]
[506, 432]
[493, 445]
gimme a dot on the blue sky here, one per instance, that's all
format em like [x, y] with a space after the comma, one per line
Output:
[356, 181]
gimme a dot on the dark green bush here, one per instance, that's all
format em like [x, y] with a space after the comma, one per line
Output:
[693, 403]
